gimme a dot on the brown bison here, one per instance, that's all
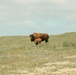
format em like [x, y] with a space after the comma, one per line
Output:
[39, 37]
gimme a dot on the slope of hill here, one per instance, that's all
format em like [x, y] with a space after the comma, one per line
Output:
[19, 56]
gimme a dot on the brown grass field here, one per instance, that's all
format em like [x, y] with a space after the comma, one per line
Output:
[20, 56]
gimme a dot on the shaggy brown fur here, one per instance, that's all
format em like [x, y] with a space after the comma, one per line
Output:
[42, 36]
[37, 41]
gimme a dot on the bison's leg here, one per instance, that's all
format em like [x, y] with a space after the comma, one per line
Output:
[46, 40]
[36, 43]
[40, 42]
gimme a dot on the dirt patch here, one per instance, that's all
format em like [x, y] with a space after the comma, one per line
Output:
[5, 66]
[74, 56]
[48, 69]
[58, 63]
[67, 70]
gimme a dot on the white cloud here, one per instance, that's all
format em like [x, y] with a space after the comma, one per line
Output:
[50, 25]
[31, 24]
[27, 2]
[37, 13]
[38, 9]
[60, 2]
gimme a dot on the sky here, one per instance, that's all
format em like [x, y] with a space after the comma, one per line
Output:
[23, 17]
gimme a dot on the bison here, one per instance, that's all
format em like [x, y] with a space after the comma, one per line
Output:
[39, 37]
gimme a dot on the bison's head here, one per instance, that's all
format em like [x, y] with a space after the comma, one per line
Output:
[32, 37]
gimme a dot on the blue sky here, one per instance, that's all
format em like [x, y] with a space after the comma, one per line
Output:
[23, 17]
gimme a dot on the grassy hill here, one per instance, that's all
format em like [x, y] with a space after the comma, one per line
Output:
[19, 56]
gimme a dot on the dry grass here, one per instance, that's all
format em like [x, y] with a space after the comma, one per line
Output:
[18, 56]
